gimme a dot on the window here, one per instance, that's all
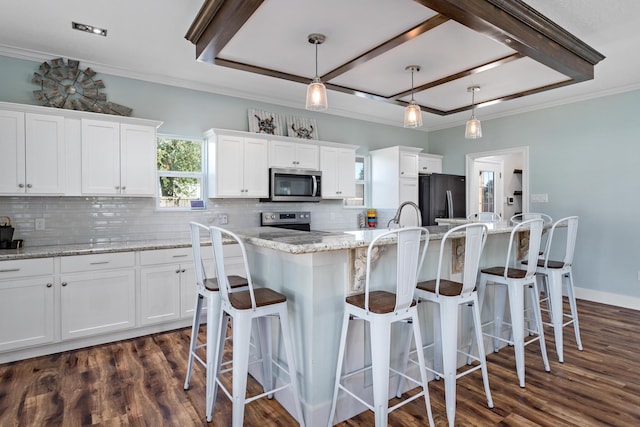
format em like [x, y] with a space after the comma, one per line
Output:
[361, 186]
[180, 171]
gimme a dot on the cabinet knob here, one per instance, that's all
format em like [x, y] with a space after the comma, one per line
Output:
[124, 188]
[49, 285]
[29, 185]
[178, 271]
[20, 185]
[401, 173]
[183, 270]
[117, 187]
[64, 283]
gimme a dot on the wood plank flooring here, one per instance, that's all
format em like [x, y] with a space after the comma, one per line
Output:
[139, 383]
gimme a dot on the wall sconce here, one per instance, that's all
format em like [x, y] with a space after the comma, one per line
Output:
[412, 114]
[474, 127]
[316, 91]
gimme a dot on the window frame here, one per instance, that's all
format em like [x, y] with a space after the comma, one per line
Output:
[177, 174]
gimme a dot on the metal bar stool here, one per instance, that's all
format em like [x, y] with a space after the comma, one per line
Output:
[206, 288]
[381, 308]
[262, 304]
[512, 280]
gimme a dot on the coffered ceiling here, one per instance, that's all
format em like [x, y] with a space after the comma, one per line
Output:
[258, 50]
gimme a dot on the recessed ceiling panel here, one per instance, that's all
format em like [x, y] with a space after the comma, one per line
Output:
[508, 79]
[275, 37]
[441, 52]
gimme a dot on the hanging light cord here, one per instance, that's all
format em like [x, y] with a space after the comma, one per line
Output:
[412, 85]
[473, 103]
[316, 43]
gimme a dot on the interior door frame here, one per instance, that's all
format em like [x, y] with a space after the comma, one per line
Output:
[496, 164]
[470, 159]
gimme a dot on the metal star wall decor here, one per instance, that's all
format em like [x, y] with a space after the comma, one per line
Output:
[65, 85]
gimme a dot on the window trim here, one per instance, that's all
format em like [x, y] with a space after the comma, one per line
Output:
[202, 175]
[366, 160]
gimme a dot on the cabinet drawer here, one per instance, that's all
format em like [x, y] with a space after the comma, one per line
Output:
[97, 262]
[167, 256]
[26, 267]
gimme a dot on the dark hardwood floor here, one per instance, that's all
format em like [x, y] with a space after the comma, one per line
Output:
[139, 383]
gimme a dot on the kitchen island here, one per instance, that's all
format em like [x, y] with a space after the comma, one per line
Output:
[316, 271]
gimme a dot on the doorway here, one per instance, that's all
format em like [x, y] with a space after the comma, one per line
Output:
[513, 196]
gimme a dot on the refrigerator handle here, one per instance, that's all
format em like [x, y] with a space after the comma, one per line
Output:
[449, 204]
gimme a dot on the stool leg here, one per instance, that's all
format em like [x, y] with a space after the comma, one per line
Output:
[380, 358]
[449, 332]
[481, 354]
[516, 304]
[574, 309]
[241, 339]
[500, 296]
[555, 298]
[417, 335]
[195, 327]
[343, 340]
[538, 316]
[215, 347]
[264, 339]
[291, 361]
[404, 359]
[437, 341]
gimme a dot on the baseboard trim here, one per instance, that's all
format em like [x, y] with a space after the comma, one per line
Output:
[617, 300]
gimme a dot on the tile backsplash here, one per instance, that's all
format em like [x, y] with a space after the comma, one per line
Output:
[73, 220]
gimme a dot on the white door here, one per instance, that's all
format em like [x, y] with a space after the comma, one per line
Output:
[12, 162]
[100, 157]
[45, 154]
[160, 294]
[138, 160]
[487, 187]
[256, 168]
[229, 167]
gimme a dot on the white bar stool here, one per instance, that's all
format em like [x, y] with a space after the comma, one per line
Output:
[512, 280]
[381, 308]
[556, 273]
[242, 307]
[206, 288]
[449, 295]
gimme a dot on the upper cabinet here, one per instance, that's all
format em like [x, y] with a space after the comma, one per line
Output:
[33, 154]
[394, 173]
[429, 163]
[338, 166]
[287, 154]
[118, 159]
[238, 165]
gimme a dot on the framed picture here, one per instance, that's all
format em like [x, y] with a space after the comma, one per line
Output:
[300, 127]
[261, 121]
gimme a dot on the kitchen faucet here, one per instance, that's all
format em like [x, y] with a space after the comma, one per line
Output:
[396, 218]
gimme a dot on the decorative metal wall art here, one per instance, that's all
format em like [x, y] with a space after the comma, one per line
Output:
[266, 122]
[65, 85]
[301, 127]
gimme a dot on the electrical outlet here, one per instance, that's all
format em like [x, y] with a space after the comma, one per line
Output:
[39, 223]
[223, 219]
[540, 198]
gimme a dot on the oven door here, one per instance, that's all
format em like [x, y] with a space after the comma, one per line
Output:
[293, 185]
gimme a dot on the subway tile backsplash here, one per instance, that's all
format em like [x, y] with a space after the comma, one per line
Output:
[74, 220]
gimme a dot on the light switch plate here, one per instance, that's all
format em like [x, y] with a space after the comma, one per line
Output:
[540, 198]
[39, 223]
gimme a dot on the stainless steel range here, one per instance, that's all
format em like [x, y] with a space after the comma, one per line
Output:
[293, 220]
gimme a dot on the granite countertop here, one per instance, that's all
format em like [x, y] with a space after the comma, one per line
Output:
[290, 241]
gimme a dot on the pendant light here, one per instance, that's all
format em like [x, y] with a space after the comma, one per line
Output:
[412, 114]
[316, 91]
[474, 128]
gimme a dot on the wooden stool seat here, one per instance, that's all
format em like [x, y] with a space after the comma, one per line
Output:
[448, 288]
[234, 282]
[264, 296]
[511, 273]
[380, 302]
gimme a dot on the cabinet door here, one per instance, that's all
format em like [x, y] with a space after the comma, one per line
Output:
[307, 156]
[100, 157]
[256, 168]
[12, 162]
[26, 312]
[45, 154]
[282, 154]
[160, 293]
[97, 302]
[428, 165]
[408, 190]
[408, 165]
[346, 173]
[338, 167]
[138, 160]
[227, 175]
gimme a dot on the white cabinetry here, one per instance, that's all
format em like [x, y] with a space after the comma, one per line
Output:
[33, 153]
[26, 303]
[118, 158]
[429, 163]
[97, 294]
[238, 166]
[338, 166]
[286, 154]
[394, 173]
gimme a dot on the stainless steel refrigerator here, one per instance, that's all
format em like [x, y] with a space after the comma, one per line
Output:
[442, 196]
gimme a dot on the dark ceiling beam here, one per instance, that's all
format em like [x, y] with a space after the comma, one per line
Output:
[383, 48]
[216, 24]
[515, 24]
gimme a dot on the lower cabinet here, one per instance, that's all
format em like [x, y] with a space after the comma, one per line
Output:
[98, 294]
[26, 303]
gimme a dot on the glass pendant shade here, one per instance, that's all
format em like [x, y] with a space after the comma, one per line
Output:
[412, 115]
[316, 96]
[474, 128]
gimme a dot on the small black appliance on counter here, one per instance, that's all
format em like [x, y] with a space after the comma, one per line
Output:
[6, 234]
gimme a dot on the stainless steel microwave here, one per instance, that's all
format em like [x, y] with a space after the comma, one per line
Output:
[294, 185]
